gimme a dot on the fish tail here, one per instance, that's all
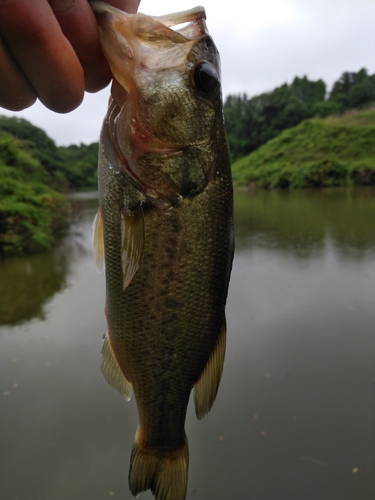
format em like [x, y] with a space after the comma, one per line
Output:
[164, 473]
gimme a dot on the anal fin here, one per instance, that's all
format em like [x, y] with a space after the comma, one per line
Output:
[111, 371]
[207, 385]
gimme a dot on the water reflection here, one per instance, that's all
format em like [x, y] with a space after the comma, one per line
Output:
[295, 413]
[300, 221]
[27, 283]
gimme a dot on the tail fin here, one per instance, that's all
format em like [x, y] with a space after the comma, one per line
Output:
[164, 473]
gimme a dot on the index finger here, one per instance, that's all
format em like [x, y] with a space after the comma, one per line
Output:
[78, 23]
[34, 38]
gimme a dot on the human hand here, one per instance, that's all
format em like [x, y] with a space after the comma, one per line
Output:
[50, 50]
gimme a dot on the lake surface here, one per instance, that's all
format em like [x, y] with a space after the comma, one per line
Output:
[295, 415]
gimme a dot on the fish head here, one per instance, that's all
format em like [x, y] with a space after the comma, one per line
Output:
[165, 98]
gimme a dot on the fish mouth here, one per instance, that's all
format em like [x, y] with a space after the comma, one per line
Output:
[193, 21]
[139, 41]
[149, 27]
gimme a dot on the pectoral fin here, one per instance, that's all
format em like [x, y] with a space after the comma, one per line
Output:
[98, 240]
[132, 242]
[207, 385]
[111, 371]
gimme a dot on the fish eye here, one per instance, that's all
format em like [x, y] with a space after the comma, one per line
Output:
[206, 79]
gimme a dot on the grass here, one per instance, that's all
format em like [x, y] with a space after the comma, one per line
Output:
[334, 151]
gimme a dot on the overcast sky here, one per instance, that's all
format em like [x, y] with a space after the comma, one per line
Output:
[263, 44]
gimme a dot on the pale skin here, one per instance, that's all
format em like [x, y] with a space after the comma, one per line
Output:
[49, 50]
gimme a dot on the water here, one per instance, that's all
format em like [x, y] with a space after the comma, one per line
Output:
[295, 414]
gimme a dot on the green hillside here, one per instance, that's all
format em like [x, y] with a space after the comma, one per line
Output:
[334, 151]
[67, 167]
[251, 122]
[31, 212]
[35, 175]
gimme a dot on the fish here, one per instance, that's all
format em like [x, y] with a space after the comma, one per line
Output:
[163, 231]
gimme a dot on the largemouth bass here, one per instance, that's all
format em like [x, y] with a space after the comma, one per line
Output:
[164, 229]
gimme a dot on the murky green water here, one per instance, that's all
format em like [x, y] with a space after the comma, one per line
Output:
[295, 414]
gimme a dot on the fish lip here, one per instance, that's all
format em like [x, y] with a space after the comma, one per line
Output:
[131, 42]
[193, 20]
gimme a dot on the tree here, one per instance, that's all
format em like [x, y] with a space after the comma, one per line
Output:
[252, 122]
[30, 212]
[35, 141]
[80, 164]
[353, 90]
[66, 168]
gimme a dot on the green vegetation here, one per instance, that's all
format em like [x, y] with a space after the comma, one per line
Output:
[252, 122]
[30, 211]
[35, 174]
[67, 168]
[318, 152]
[80, 165]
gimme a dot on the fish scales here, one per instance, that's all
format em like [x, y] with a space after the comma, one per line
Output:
[165, 231]
[164, 318]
